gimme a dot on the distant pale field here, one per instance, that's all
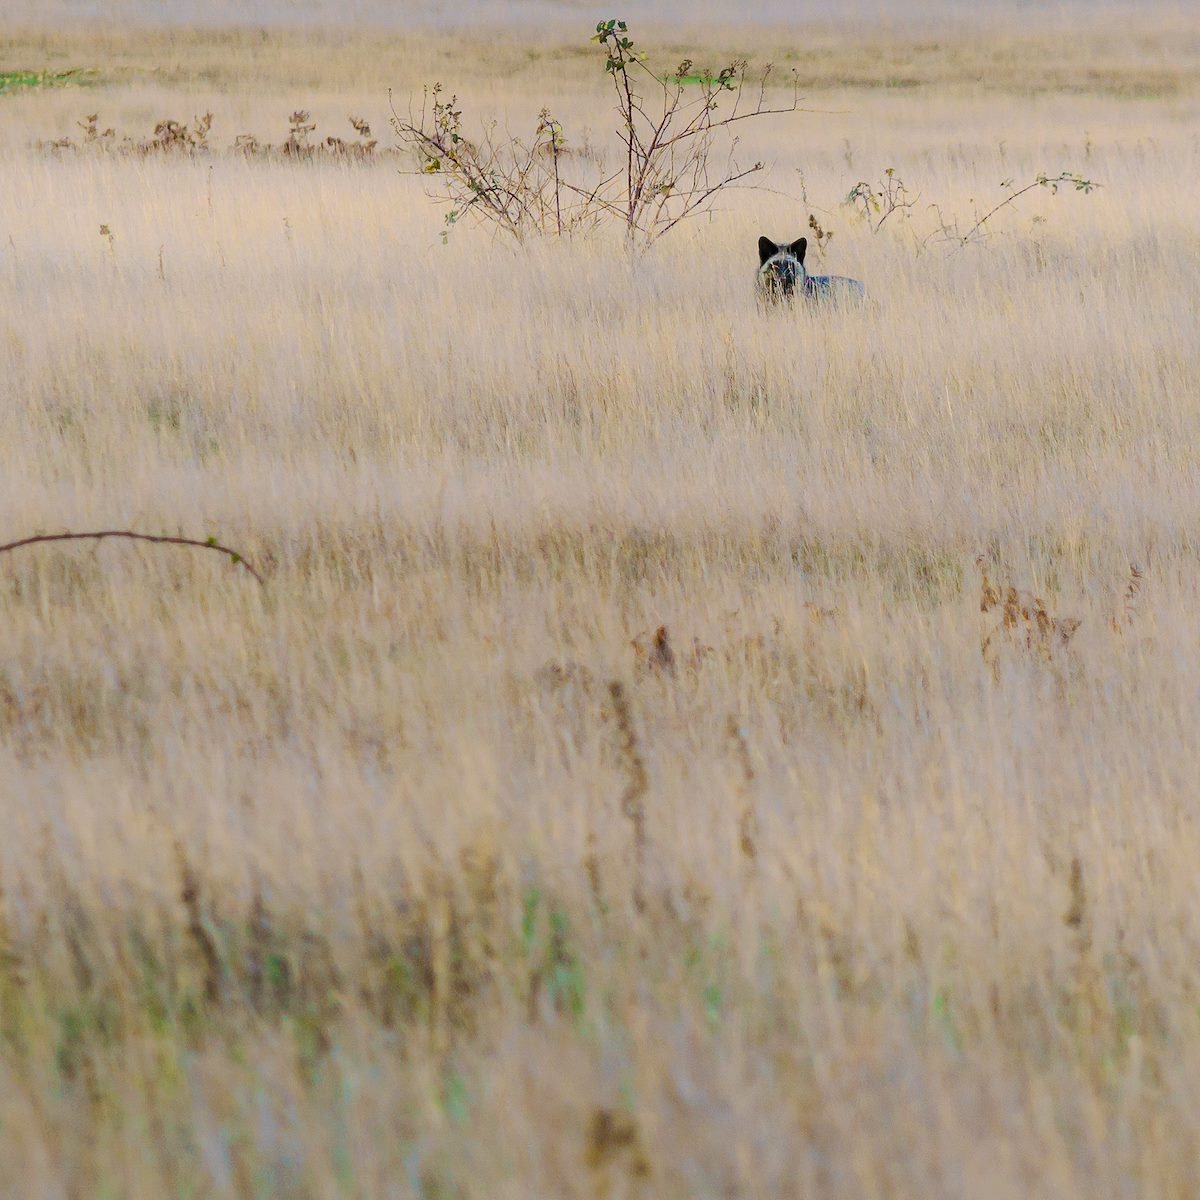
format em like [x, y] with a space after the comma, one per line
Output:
[472, 14]
[407, 875]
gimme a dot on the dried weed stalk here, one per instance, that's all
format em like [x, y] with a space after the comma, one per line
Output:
[197, 926]
[1130, 599]
[748, 821]
[633, 801]
[656, 654]
[1075, 918]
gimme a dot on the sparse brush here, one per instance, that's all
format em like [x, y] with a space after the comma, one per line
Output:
[297, 144]
[1023, 621]
[876, 203]
[451, 917]
[174, 138]
[92, 132]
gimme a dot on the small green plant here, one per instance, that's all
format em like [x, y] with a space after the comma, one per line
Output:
[555, 967]
[880, 201]
[679, 151]
[19, 81]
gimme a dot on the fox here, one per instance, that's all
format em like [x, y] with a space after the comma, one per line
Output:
[782, 277]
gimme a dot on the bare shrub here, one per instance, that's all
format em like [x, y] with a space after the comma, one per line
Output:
[676, 131]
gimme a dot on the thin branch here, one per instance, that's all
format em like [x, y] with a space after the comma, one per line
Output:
[158, 539]
[691, 207]
[1081, 185]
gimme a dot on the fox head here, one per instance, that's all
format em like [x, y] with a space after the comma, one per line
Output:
[781, 267]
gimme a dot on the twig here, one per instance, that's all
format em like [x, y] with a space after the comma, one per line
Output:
[159, 539]
[1043, 180]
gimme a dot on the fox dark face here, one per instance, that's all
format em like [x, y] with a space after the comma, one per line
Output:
[781, 267]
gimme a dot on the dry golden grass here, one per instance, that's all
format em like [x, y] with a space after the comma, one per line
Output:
[607, 795]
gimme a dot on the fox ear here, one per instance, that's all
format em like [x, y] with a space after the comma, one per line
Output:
[798, 248]
[766, 248]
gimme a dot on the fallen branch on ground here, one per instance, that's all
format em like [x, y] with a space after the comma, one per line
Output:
[158, 539]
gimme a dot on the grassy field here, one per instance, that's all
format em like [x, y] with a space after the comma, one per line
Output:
[421, 871]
